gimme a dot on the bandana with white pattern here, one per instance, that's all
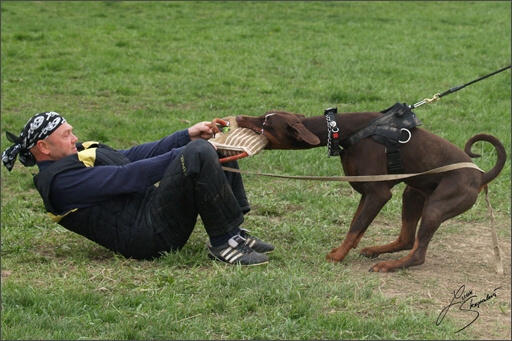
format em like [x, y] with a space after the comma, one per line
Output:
[37, 128]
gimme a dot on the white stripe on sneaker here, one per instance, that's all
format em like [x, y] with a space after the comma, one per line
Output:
[251, 242]
[226, 252]
[236, 256]
[231, 254]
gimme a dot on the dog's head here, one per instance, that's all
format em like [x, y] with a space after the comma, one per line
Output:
[284, 130]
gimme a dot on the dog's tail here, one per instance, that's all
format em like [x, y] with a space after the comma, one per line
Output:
[500, 149]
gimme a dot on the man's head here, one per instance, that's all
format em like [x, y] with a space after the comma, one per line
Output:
[46, 136]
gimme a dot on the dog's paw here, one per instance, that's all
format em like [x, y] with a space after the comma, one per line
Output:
[334, 257]
[398, 264]
[337, 254]
[368, 253]
[330, 258]
[384, 267]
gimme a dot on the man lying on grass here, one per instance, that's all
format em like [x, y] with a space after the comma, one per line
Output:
[111, 197]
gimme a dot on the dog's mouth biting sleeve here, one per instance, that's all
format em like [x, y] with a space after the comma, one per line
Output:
[233, 140]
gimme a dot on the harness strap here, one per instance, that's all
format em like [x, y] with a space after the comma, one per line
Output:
[395, 164]
[388, 132]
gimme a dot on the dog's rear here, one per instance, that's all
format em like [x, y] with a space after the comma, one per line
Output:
[433, 198]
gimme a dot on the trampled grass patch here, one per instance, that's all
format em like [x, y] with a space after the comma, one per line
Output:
[131, 72]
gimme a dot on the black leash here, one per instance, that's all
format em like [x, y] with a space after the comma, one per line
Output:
[454, 89]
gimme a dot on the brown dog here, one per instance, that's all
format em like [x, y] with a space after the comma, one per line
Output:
[434, 198]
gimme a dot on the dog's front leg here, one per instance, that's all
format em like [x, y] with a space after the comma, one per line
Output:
[369, 206]
[412, 207]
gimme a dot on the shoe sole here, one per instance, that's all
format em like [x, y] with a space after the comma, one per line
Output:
[235, 263]
[266, 252]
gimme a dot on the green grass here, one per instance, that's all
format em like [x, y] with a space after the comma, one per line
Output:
[131, 72]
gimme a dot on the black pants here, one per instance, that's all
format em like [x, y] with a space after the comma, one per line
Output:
[195, 185]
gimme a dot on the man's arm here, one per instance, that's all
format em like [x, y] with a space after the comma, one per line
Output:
[178, 139]
[83, 187]
[164, 145]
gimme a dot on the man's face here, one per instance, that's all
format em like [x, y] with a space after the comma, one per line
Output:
[62, 142]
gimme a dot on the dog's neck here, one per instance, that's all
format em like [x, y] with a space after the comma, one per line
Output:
[348, 124]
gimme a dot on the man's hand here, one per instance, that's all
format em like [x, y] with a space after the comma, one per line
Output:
[201, 130]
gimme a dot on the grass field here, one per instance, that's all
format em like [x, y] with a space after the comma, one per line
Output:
[130, 72]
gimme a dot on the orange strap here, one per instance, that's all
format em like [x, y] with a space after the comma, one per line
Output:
[233, 157]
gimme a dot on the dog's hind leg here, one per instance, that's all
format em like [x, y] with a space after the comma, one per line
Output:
[450, 199]
[369, 206]
[412, 207]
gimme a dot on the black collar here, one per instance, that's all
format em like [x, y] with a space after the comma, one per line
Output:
[333, 144]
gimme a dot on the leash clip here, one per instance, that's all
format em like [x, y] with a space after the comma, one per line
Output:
[426, 101]
[435, 98]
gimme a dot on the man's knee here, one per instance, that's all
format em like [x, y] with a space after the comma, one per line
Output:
[200, 145]
[203, 149]
[196, 154]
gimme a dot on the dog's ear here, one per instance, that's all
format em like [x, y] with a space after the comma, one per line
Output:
[300, 133]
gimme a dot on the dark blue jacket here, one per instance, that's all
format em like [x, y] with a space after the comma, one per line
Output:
[101, 193]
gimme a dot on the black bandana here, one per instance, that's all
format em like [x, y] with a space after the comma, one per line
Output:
[37, 128]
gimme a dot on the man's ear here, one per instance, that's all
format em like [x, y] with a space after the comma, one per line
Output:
[42, 147]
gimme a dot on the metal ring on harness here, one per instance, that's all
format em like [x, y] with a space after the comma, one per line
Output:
[408, 139]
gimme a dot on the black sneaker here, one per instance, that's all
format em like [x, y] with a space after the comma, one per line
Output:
[256, 244]
[236, 251]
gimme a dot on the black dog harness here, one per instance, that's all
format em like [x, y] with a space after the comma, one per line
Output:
[391, 129]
